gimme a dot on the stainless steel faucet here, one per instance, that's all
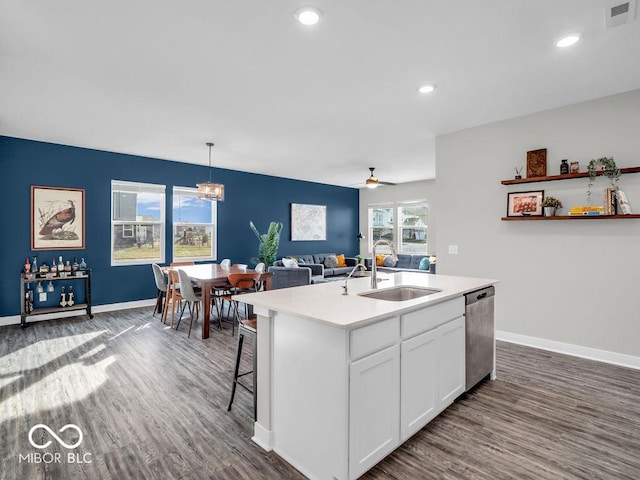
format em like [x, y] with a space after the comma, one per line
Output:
[344, 287]
[394, 255]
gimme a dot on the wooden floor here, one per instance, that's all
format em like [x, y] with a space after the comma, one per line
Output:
[152, 404]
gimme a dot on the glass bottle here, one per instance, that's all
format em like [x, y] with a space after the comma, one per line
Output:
[70, 300]
[74, 265]
[54, 268]
[39, 288]
[44, 268]
[83, 265]
[34, 264]
[28, 299]
[63, 298]
[27, 266]
[50, 287]
[60, 264]
[67, 267]
[564, 168]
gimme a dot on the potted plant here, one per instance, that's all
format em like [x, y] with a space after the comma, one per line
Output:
[269, 243]
[605, 166]
[550, 205]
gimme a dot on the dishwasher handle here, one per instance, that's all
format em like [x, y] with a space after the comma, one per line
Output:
[473, 297]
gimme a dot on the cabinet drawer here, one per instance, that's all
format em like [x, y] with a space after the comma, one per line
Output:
[423, 320]
[372, 338]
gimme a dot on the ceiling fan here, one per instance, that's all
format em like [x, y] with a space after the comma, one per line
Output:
[373, 182]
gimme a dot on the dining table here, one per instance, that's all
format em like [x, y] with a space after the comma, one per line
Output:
[210, 275]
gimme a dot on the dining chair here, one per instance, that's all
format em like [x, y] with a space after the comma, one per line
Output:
[225, 263]
[161, 285]
[179, 264]
[190, 297]
[260, 267]
[174, 296]
[246, 328]
[240, 283]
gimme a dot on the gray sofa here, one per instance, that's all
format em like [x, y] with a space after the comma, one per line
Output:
[405, 263]
[317, 262]
[284, 277]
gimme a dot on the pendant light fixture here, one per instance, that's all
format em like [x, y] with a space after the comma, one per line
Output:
[209, 190]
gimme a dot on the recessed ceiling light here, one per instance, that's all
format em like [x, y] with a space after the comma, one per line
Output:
[568, 40]
[308, 15]
[427, 88]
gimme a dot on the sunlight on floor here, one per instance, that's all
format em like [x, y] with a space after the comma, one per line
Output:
[68, 385]
[40, 353]
[39, 388]
[121, 333]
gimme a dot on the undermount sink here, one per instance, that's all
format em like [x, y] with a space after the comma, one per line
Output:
[400, 293]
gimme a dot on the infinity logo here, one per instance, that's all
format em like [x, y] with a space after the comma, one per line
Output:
[53, 434]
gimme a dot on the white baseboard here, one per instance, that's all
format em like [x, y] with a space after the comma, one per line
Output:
[614, 358]
[262, 437]
[15, 319]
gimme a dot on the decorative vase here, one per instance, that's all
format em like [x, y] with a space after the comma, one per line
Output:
[549, 211]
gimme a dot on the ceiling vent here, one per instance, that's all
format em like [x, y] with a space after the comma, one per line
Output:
[618, 13]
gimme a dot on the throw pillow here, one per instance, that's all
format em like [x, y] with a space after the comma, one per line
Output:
[388, 261]
[424, 264]
[331, 261]
[300, 261]
[380, 260]
[341, 261]
[289, 263]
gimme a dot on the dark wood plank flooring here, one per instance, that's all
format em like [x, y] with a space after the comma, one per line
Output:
[152, 404]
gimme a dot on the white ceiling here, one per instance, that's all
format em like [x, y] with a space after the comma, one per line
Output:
[160, 78]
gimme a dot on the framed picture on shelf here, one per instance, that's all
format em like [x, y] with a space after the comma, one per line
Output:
[57, 218]
[537, 163]
[525, 204]
[574, 167]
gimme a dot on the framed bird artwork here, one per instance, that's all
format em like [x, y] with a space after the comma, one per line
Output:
[57, 218]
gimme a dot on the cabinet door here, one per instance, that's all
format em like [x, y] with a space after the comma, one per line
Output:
[374, 409]
[451, 355]
[419, 396]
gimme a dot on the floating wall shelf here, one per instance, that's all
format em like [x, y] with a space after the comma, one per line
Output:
[562, 177]
[567, 217]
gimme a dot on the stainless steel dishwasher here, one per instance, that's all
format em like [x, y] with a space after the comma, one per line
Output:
[479, 335]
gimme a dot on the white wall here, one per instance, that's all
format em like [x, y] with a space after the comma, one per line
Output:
[575, 281]
[423, 190]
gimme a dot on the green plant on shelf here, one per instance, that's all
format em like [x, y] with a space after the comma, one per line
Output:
[607, 166]
[551, 202]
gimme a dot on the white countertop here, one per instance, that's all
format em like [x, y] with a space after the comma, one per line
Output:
[324, 302]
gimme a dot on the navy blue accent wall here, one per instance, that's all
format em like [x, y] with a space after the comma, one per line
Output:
[259, 198]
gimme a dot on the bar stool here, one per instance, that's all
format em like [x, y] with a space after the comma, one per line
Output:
[247, 328]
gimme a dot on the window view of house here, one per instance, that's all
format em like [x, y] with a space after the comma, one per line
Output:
[404, 224]
[194, 226]
[137, 223]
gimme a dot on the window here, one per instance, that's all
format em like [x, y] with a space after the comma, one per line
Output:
[402, 223]
[413, 227]
[194, 226]
[137, 223]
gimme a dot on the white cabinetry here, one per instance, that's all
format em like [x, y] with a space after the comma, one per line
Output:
[432, 369]
[343, 399]
[419, 382]
[374, 409]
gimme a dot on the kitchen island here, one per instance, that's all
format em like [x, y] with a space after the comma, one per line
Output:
[343, 380]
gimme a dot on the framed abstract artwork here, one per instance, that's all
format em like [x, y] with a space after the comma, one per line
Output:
[308, 222]
[57, 218]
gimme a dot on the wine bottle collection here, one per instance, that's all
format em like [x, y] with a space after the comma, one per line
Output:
[58, 268]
